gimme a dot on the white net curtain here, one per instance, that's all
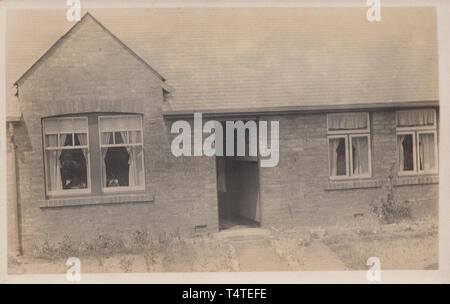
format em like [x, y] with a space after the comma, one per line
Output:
[348, 144]
[414, 118]
[66, 136]
[122, 133]
[420, 138]
[347, 121]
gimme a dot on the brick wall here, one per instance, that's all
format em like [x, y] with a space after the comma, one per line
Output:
[90, 72]
[298, 191]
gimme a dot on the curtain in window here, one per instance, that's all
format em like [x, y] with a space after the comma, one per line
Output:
[408, 118]
[58, 180]
[82, 139]
[401, 153]
[347, 121]
[333, 155]
[426, 151]
[360, 155]
[107, 138]
[54, 164]
[135, 169]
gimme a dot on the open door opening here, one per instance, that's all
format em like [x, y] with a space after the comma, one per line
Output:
[238, 188]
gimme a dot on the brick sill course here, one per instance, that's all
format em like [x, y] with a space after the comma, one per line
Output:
[374, 183]
[97, 200]
[353, 184]
[416, 180]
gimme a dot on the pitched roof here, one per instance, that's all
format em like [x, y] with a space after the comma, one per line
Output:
[67, 34]
[314, 59]
[283, 59]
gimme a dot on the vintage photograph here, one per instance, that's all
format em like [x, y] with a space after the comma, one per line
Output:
[154, 140]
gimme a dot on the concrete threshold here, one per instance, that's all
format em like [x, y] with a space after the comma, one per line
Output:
[243, 233]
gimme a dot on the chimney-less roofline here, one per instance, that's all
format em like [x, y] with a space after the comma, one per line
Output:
[297, 109]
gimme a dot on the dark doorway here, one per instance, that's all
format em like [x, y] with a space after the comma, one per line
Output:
[238, 188]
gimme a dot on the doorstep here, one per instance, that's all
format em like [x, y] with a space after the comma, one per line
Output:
[242, 232]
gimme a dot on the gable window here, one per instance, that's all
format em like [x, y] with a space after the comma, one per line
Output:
[416, 141]
[122, 152]
[66, 148]
[349, 145]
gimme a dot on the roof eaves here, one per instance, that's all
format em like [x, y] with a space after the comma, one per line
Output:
[171, 113]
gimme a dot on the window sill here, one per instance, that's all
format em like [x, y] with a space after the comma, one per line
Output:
[353, 184]
[416, 180]
[98, 200]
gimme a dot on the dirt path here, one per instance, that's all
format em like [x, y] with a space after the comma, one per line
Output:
[258, 255]
[259, 250]
[317, 256]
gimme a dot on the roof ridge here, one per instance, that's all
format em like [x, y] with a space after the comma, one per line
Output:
[76, 25]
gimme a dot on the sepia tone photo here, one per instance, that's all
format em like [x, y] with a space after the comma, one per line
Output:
[149, 140]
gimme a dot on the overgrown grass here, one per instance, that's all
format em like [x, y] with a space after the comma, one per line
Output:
[168, 251]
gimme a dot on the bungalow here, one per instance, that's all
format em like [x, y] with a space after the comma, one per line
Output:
[90, 140]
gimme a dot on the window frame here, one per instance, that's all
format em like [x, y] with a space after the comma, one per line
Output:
[66, 192]
[413, 135]
[416, 160]
[415, 131]
[369, 156]
[435, 170]
[348, 135]
[347, 170]
[101, 146]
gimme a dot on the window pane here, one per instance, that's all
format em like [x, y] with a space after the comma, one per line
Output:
[136, 169]
[426, 152]
[79, 125]
[360, 153]
[65, 140]
[115, 167]
[337, 157]
[135, 137]
[52, 125]
[107, 138]
[73, 168]
[120, 123]
[51, 140]
[107, 123]
[80, 139]
[134, 122]
[66, 125]
[406, 152]
[123, 166]
[120, 137]
[53, 171]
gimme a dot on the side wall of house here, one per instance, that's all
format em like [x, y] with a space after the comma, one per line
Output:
[299, 192]
[90, 72]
